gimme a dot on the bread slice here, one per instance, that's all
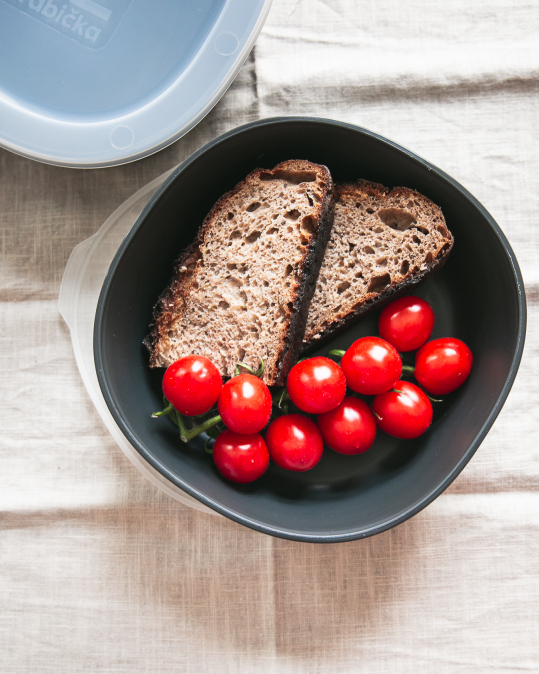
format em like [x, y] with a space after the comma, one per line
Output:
[383, 243]
[241, 291]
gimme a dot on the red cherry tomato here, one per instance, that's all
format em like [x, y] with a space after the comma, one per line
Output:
[316, 385]
[350, 428]
[294, 442]
[405, 412]
[192, 384]
[371, 366]
[239, 457]
[245, 404]
[406, 323]
[443, 365]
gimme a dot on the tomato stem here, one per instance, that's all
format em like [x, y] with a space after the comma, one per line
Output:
[244, 365]
[163, 413]
[258, 373]
[187, 435]
[336, 352]
[261, 369]
[408, 368]
[281, 398]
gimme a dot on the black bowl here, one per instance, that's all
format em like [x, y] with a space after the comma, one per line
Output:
[478, 297]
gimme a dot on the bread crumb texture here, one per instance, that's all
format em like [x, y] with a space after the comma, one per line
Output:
[382, 241]
[236, 288]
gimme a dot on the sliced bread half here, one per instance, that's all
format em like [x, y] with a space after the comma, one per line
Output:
[383, 243]
[241, 291]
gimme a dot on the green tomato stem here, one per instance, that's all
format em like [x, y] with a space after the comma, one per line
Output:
[408, 368]
[258, 373]
[336, 352]
[187, 435]
[163, 413]
[281, 398]
[245, 366]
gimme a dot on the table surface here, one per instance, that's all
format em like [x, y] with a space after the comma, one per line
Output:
[101, 572]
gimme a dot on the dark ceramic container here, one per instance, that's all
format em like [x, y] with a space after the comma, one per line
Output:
[478, 297]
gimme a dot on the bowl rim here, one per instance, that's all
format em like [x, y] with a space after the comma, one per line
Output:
[228, 512]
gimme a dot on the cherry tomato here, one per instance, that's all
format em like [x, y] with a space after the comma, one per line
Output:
[192, 384]
[239, 457]
[371, 366]
[316, 385]
[245, 404]
[405, 412]
[406, 323]
[443, 365]
[294, 442]
[350, 428]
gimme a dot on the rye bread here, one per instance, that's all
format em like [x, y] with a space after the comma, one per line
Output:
[383, 243]
[242, 289]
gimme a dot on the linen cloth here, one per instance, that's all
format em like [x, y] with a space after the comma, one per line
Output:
[101, 572]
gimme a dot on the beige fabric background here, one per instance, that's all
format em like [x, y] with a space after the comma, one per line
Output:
[100, 572]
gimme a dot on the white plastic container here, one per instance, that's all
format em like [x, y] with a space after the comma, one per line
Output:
[89, 83]
[83, 277]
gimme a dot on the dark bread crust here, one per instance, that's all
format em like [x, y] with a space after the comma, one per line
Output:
[308, 274]
[374, 301]
[173, 301]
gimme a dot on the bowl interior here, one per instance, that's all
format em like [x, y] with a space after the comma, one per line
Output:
[475, 298]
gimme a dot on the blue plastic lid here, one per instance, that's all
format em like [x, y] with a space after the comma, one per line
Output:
[87, 84]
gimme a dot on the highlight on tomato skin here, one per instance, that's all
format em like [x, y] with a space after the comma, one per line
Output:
[371, 366]
[441, 366]
[245, 404]
[407, 323]
[405, 412]
[316, 385]
[350, 428]
[192, 384]
[239, 457]
[294, 442]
